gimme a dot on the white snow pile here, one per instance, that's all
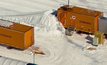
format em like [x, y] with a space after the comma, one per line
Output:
[50, 24]
[44, 21]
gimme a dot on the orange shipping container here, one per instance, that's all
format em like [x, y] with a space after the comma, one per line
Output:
[82, 19]
[16, 35]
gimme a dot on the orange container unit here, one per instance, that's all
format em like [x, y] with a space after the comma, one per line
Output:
[16, 35]
[82, 19]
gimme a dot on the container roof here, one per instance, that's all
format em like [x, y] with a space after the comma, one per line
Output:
[80, 10]
[14, 26]
[21, 28]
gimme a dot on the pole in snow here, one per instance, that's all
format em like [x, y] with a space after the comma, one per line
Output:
[68, 3]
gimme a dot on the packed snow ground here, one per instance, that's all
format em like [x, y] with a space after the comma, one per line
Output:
[49, 33]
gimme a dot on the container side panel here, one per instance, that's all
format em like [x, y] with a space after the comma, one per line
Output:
[11, 38]
[84, 23]
[29, 38]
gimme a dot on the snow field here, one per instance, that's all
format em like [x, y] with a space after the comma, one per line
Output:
[49, 33]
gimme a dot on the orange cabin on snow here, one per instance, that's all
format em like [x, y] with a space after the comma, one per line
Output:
[82, 19]
[16, 35]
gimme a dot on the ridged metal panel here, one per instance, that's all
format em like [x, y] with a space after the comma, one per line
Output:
[103, 25]
[8, 61]
[2, 60]
[14, 62]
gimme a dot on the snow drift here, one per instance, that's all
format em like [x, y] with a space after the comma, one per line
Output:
[44, 21]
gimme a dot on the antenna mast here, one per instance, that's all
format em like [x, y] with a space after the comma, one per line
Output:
[68, 3]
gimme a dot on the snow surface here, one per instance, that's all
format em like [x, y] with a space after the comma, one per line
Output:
[49, 33]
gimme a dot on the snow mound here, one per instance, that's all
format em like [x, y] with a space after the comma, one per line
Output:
[50, 24]
[44, 22]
